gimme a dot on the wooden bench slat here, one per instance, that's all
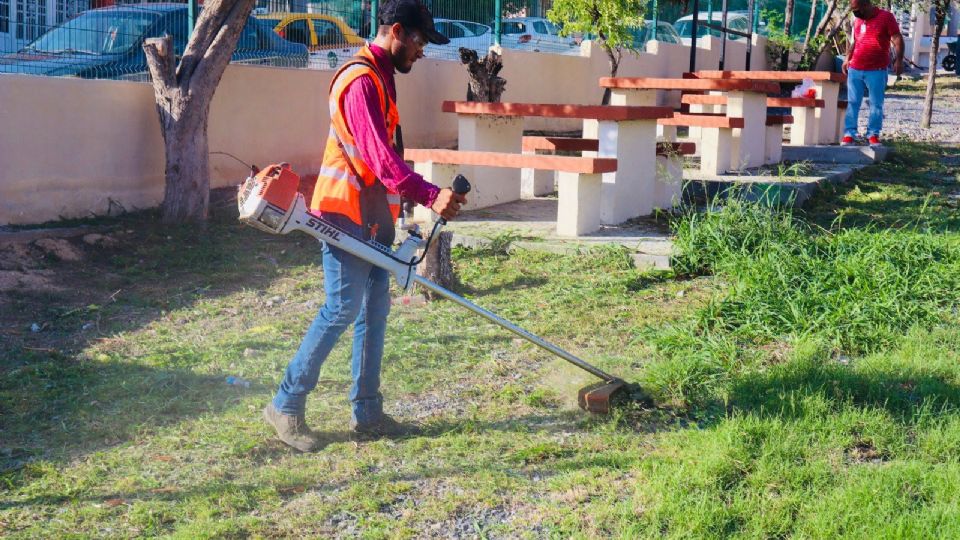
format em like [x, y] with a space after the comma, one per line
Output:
[585, 165]
[702, 120]
[652, 83]
[576, 144]
[781, 76]
[701, 99]
[560, 144]
[796, 102]
[590, 112]
[779, 119]
[676, 148]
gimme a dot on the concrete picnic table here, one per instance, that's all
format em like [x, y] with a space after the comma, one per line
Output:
[827, 85]
[626, 133]
[745, 99]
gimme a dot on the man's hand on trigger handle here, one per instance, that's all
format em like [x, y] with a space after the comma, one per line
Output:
[448, 203]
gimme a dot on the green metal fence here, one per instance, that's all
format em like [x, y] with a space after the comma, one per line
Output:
[81, 39]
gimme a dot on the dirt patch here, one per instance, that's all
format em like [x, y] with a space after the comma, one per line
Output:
[60, 249]
[29, 280]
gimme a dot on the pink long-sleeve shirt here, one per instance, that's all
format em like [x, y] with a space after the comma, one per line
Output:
[364, 118]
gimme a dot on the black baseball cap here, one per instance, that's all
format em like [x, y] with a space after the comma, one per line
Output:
[411, 14]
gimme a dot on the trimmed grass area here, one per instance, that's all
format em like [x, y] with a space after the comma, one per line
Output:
[805, 368]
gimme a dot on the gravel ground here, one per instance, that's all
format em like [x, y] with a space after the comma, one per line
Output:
[904, 104]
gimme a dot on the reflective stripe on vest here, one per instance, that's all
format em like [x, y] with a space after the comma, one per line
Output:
[338, 188]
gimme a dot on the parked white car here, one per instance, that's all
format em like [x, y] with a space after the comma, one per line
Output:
[471, 35]
[665, 33]
[736, 20]
[536, 34]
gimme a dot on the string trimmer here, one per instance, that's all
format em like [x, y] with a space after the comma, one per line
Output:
[270, 201]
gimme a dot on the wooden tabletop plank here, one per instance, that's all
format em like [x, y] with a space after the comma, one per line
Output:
[702, 120]
[778, 76]
[591, 112]
[703, 99]
[651, 83]
[574, 164]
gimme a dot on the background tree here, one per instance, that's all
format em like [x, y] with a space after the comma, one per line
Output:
[183, 93]
[787, 24]
[940, 10]
[609, 20]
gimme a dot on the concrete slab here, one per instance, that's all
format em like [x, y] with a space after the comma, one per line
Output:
[761, 185]
[533, 223]
[854, 155]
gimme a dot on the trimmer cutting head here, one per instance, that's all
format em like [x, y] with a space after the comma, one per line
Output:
[602, 397]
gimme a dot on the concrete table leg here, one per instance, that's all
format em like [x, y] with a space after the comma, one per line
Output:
[578, 207]
[534, 182]
[628, 192]
[487, 133]
[442, 175]
[803, 131]
[829, 92]
[716, 150]
[774, 150]
[669, 181]
[749, 149]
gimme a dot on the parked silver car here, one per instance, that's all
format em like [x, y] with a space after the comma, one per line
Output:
[471, 35]
[536, 34]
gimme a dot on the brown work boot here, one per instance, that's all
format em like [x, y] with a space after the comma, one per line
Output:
[385, 427]
[291, 429]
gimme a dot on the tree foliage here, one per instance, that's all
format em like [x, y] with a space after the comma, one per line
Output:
[609, 20]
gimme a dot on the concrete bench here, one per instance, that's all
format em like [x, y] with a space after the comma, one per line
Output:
[579, 179]
[719, 147]
[668, 176]
[822, 129]
[802, 110]
[774, 148]
[626, 133]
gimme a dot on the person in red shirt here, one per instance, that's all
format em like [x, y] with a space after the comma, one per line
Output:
[874, 29]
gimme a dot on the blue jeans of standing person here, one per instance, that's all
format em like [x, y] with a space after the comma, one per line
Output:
[874, 81]
[358, 293]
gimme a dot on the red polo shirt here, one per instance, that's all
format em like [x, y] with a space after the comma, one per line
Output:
[871, 37]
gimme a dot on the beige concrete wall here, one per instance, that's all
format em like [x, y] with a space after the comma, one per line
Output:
[69, 147]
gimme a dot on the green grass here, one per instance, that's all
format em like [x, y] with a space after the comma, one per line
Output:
[804, 367]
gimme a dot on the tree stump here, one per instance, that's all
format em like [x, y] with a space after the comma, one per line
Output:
[484, 84]
[437, 265]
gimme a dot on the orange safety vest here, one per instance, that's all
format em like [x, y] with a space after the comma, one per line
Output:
[338, 188]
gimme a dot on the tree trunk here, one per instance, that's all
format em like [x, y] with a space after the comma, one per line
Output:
[186, 194]
[787, 23]
[437, 265]
[927, 114]
[810, 23]
[484, 84]
[614, 57]
[183, 94]
[833, 32]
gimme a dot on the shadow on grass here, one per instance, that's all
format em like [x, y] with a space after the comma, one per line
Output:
[912, 189]
[782, 392]
[53, 406]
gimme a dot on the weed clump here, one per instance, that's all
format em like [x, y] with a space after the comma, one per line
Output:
[858, 290]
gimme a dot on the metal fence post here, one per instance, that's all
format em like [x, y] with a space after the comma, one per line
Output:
[656, 19]
[374, 9]
[191, 17]
[693, 34]
[496, 21]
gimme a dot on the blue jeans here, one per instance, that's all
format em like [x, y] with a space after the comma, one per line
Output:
[875, 83]
[359, 293]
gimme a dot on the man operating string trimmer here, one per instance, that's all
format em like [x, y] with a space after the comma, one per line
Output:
[358, 189]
